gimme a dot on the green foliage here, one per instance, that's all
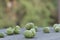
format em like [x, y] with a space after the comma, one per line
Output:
[38, 12]
[5, 21]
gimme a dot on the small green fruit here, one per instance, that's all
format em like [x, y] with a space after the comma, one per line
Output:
[57, 29]
[1, 35]
[28, 34]
[17, 30]
[55, 25]
[29, 26]
[10, 31]
[18, 27]
[33, 31]
[46, 29]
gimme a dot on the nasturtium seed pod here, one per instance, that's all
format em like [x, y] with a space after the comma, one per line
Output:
[28, 34]
[46, 30]
[10, 31]
[55, 25]
[57, 29]
[29, 26]
[33, 31]
[18, 27]
[17, 30]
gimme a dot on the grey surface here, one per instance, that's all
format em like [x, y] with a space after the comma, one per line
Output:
[39, 36]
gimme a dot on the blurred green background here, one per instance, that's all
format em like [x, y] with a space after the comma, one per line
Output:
[19, 12]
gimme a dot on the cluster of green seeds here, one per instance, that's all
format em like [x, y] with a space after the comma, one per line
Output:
[56, 27]
[10, 31]
[15, 30]
[30, 31]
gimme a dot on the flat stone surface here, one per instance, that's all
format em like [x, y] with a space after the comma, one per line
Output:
[39, 36]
